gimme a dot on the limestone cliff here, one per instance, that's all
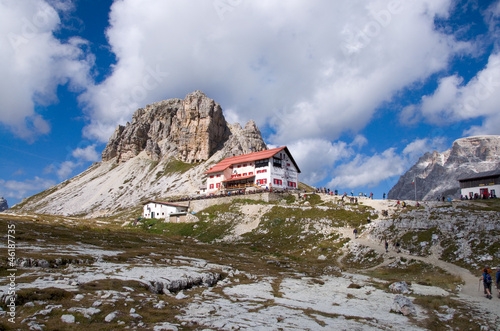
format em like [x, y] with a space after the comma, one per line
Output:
[163, 152]
[190, 130]
[436, 174]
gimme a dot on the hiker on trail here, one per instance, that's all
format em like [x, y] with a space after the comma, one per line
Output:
[383, 196]
[355, 231]
[397, 247]
[498, 281]
[386, 246]
[487, 281]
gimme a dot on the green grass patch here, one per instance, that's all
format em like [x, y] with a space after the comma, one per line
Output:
[413, 240]
[464, 317]
[414, 271]
[176, 166]
[480, 205]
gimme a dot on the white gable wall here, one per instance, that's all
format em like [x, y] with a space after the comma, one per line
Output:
[160, 210]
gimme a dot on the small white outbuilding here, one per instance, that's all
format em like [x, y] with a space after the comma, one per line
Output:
[160, 209]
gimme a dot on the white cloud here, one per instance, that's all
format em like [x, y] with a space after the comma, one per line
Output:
[309, 69]
[20, 189]
[316, 157]
[368, 171]
[87, 154]
[414, 150]
[359, 141]
[33, 63]
[65, 169]
[478, 98]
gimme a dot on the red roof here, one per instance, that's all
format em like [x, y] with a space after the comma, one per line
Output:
[224, 164]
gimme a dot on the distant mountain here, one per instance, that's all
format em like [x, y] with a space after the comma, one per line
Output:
[436, 174]
[3, 204]
[162, 153]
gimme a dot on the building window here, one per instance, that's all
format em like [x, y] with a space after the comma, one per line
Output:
[261, 163]
[218, 175]
[276, 162]
[244, 174]
[250, 173]
[212, 176]
[211, 186]
[218, 185]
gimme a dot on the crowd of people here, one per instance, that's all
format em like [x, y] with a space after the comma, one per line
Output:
[235, 192]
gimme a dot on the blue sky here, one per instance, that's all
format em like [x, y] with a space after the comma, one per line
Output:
[357, 90]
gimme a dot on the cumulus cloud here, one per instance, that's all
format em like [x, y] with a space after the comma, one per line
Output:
[20, 189]
[368, 171]
[454, 101]
[86, 154]
[414, 150]
[34, 62]
[308, 69]
[316, 157]
[65, 169]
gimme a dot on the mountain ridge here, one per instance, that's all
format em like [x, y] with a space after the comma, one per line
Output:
[435, 175]
[163, 152]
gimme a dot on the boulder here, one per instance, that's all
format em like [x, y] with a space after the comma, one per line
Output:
[403, 305]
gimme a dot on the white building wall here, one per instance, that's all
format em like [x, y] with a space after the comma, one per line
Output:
[283, 177]
[214, 182]
[477, 190]
[158, 210]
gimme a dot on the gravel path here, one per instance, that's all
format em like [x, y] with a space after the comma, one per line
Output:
[472, 290]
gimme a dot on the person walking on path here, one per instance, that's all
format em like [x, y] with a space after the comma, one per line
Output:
[487, 281]
[498, 281]
[387, 249]
[355, 231]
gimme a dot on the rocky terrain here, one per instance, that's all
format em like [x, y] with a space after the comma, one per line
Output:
[291, 264]
[3, 204]
[162, 153]
[436, 173]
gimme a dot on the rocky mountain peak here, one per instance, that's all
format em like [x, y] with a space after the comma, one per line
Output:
[436, 174]
[190, 130]
[3, 204]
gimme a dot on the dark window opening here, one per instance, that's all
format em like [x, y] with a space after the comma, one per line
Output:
[261, 163]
